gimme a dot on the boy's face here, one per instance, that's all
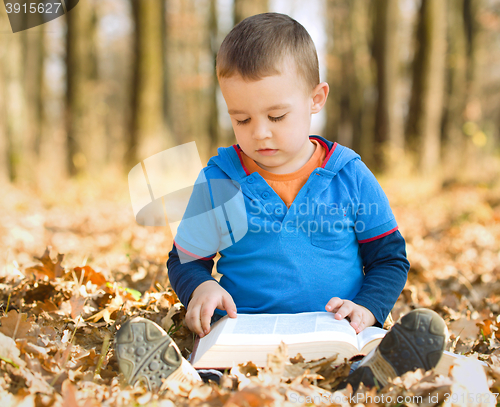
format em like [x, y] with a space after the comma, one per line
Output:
[271, 118]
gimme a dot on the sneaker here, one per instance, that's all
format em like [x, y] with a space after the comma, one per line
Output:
[416, 341]
[147, 355]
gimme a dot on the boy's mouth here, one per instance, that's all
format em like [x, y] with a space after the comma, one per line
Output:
[267, 151]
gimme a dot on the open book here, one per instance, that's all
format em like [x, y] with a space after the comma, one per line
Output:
[251, 337]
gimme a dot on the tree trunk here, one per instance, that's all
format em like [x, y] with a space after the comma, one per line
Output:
[349, 112]
[389, 138]
[4, 154]
[146, 131]
[424, 121]
[338, 127]
[363, 104]
[78, 92]
[33, 63]
[473, 46]
[213, 118]
[191, 67]
[455, 95]
[247, 8]
[95, 149]
[477, 141]
[15, 105]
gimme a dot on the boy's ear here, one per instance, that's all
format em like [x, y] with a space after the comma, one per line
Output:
[319, 95]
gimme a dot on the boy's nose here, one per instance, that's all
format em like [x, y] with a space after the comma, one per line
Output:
[261, 132]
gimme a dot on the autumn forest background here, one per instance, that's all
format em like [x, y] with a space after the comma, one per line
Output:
[414, 89]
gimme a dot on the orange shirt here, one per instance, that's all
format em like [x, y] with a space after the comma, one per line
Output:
[287, 186]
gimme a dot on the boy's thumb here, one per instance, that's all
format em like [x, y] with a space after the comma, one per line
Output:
[229, 306]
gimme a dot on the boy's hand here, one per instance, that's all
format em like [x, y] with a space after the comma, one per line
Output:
[360, 316]
[205, 298]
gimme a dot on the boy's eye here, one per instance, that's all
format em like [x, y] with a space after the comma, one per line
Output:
[238, 122]
[272, 118]
[277, 119]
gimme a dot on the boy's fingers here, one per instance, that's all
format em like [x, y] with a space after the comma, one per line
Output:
[229, 305]
[193, 319]
[207, 311]
[344, 310]
[333, 304]
[361, 326]
[356, 321]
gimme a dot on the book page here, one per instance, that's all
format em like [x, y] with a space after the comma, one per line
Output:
[265, 329]
[369, 334]
[245, 323]
[208, 341]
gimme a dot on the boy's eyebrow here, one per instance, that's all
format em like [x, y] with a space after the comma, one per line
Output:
[275, 107]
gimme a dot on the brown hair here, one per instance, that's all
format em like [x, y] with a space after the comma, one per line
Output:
[258, 45]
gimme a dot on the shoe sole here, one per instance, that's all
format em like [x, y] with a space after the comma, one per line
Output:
[146, 354]
[416, 341]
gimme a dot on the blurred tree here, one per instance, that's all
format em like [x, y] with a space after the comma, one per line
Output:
[4, 154]
[146, 127]
[473, 46]
[21, 77]
[426, 102]
[33, 58]
[14, 104]
[456, 85]
[80, 61]
[246, 8]
[350, 105]
[389, 135]
[191, 67]
[213, 115]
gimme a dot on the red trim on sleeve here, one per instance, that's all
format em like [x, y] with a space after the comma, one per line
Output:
[329, 155]
[379, 236]
[192, 254]
[237, 148]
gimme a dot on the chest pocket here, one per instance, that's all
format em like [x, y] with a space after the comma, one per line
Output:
[333, 227]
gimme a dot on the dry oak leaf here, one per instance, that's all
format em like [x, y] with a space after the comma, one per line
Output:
[77, 303]
[69, 394]
[45, 306]
[48, 267]
[255, 396]
[15, 325]
[465, 328]
[87, 273]
[115, 304]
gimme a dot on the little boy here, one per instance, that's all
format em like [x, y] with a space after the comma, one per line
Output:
[300, 223]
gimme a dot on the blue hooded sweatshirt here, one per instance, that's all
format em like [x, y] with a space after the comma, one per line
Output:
[339, 238]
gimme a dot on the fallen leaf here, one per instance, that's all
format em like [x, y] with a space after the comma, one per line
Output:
[69, 394]
[251, 397]
[87, 273]
[248, 369]
[77, 304]
[48, 268]
[15, 325]
[9, 351]
[297, 359]
[465, 328]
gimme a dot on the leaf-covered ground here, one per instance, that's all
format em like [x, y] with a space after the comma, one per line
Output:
[59, 313]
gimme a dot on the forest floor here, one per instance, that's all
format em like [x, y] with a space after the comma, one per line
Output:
[59, 313]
